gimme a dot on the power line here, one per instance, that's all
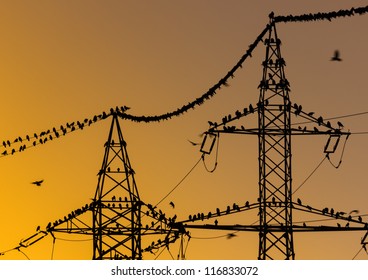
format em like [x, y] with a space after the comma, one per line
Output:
[178, 184]
[322, 16]
[310, 175]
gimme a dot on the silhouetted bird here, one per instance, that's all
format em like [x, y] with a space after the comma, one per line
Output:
[216, 222]
[336, 56]
[340, 124]
[230, 235]
[299, 201]
[37, 183]
[38, 228]
[353, 212]
[172, 204]
[193, 143]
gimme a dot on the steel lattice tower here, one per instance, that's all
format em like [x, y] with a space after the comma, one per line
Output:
[117, 206]
[275, 203]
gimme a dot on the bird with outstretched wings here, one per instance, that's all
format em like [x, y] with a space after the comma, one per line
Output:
[37, 183]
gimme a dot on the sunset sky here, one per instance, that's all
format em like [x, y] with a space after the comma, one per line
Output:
[64, 61]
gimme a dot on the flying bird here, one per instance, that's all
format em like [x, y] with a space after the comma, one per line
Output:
[172, 204]
[231, 235]
[193, 143]
[37, 183]
[354, 211]
[336, 56]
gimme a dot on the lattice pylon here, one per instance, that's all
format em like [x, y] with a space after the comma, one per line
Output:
[117, 207]
[275, 192]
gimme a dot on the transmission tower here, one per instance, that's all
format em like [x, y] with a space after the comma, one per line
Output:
[274, 141]
[120, 219]
[274, 131]
[117, 206]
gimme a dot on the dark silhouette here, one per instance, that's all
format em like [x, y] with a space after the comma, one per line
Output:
[336, 56]
[37, 183]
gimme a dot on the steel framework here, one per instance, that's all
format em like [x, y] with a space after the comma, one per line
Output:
[117, 206]
[275, 196]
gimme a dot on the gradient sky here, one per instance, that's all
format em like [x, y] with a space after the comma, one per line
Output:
[63, 61]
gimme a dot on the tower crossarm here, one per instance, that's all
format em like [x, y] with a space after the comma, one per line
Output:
[274, 228]
[235, 208]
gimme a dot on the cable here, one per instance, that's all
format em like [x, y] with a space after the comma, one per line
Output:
[53, 246]
[333, 118]
[70, 240]
[23, 253]
[357, 253]
[215, 237]
[322, 16]
[217, 149]
[310, 175]
[178, 184]
[206, 96]
[342, 154]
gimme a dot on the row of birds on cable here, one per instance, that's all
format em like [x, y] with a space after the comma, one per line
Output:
[336, 214]
[321, 16]
[206, 96]
[238, 114]
[155, 245]
[229, 209]
[51, 225]
[295, 107]
[48, 135]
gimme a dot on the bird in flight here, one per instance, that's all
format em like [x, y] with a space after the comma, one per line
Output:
[230, 235]
[193, 143]
[172, 204]
[336, 56]
[37, 183]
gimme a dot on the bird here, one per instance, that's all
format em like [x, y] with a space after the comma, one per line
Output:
[336, 56]
[230, 235]
[38, 228]
[354, 211]
[193, 143]
[37, 183]
[340, 124]
[216, 222]
[299, 201]
[172, 204]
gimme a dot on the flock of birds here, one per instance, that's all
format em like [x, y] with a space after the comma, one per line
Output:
[235, 208]
[320, 16]
[20, 144]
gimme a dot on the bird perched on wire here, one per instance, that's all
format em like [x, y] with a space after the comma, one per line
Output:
[336, 56]
[37, 183]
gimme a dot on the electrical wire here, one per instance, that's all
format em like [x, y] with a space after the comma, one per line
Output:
[357, 253]
[322, 16]
[334, 118]
[310, 175]
[19, 250]
[216, 157]
[178, 184]
[53, 247]
[342, 154]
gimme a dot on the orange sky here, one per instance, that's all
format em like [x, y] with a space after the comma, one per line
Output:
[63, 61]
